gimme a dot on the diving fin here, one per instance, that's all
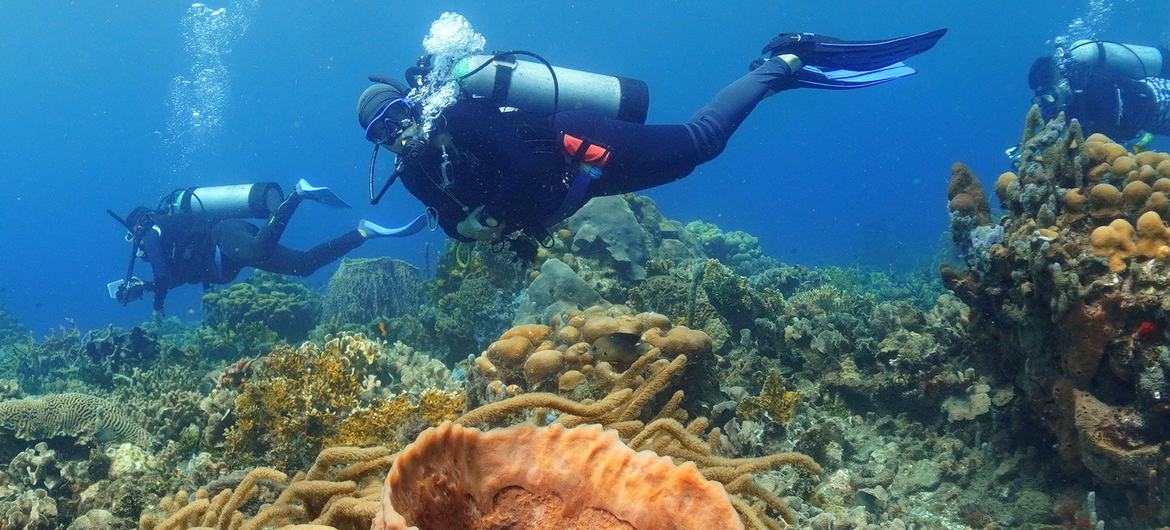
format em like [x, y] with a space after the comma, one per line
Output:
[831, 53]
[320, 194]
[813, 77]
[369, 229]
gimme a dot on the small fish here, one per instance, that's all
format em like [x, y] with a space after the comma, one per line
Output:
[382, 329]
[619, 347]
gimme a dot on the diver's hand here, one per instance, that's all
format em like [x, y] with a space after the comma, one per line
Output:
[131, 291]
[489, 229]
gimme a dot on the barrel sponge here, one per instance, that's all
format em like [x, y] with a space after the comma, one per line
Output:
[545, 478]
[1153, 236]
[1115, 242]
[84, 417]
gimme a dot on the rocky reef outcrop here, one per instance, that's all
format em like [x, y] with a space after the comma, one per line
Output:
[1068, 291]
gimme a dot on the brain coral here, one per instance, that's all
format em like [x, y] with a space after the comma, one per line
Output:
[545, 478]
[82, 416]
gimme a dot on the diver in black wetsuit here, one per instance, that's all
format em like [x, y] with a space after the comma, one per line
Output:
[185, 244]
[491, 172]
[1120, 90]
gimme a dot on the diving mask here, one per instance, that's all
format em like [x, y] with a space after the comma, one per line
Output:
[390, 122]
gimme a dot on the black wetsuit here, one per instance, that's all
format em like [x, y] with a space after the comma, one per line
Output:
[182, 249]
[1122, 108]
[513, 163]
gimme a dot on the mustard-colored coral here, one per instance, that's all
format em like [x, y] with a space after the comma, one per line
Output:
[437, 406]
[1114, 242]
[775, 401]
[375, 424]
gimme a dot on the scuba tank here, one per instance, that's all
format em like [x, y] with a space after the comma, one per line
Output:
[239, 201]
[534, 87]
[1135, 62]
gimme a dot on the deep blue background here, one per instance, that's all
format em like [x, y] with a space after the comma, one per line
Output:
[842, 178]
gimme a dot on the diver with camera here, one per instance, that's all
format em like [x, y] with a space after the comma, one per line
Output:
[201, 236]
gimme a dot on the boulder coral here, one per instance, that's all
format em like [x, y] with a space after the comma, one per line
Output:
[88, 419]
[538, 357]
[545, 478]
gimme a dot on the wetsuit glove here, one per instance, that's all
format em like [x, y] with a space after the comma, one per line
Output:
[479, 227]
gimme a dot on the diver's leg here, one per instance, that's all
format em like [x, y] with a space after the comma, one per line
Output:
[270, 234]
[235, 248]
[644, 156]
[284, 260]
[712, 126]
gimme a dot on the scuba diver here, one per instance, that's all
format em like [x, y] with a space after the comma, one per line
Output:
[1120, 90]
[199, 236]
[526, 144]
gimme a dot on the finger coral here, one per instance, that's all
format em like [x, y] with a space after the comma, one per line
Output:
[545, 478]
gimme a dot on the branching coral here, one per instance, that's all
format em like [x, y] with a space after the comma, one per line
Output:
[775, 401]
[301, 398]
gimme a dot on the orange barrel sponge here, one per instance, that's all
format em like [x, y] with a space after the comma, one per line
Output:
[545, 478]
[1153, 236]
[1115, 242]
[1104, 199]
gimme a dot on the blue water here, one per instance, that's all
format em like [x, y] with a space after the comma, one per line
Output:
[91, 121]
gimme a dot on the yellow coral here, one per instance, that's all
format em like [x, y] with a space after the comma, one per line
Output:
[436, 406]
[374, 425]
[778, 403]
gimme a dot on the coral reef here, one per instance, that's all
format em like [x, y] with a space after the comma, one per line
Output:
[11, 330]
[738, 250]
[1073, 299]
[247, 318]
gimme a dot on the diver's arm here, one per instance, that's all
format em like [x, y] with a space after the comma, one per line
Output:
[160, 269]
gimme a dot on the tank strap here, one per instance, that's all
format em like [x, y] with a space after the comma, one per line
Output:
[505, 65]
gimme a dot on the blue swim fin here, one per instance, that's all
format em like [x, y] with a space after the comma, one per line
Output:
[831, 53]
[320, 194]
[814, 77]
[369, 229]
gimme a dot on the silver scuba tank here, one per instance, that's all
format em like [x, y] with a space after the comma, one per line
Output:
[528, 86]
[239, 201]
[1130, 60]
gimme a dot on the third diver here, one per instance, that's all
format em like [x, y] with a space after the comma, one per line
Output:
[502, 165]
[1120, 90]
[199, 236]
